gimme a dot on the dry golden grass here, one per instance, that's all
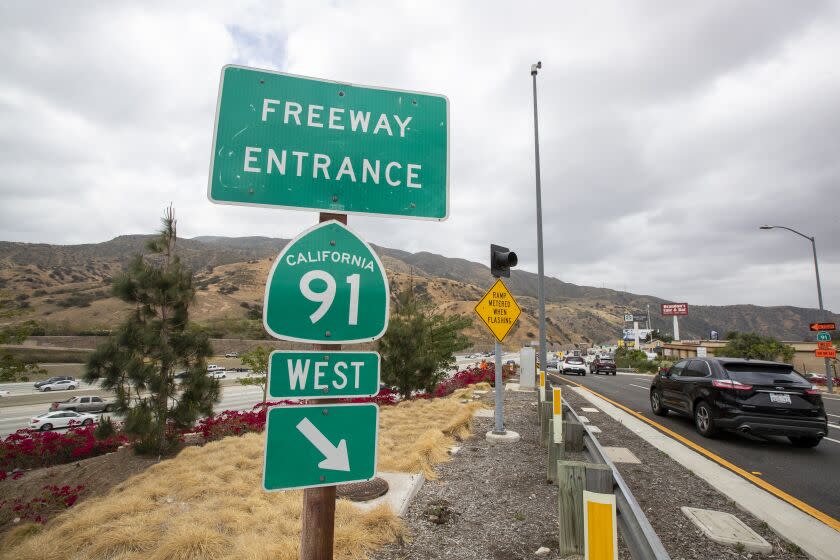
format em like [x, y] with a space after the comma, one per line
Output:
[417, 434]
[208, 504]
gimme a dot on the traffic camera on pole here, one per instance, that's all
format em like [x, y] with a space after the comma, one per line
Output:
[501, 261]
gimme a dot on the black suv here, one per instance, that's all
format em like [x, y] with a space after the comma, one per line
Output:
[751, 396]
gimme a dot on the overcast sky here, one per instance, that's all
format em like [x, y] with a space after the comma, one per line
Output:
[669, 130]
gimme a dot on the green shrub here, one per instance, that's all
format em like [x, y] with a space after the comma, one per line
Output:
[753, 346]
[105, 429]
[635, 359]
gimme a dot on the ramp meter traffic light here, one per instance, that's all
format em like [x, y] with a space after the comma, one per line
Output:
[501, 261]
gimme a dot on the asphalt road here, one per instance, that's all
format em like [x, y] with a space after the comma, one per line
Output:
[810, 475]
[234, 397]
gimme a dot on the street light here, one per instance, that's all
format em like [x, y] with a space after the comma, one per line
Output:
[540, 270]
[829, 380]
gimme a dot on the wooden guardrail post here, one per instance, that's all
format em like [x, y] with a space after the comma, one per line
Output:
[545, 422]
[571, 481]
[599, 478]
[583, 489]
[573, 435]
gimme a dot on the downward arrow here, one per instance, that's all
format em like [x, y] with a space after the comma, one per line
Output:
[336, 458]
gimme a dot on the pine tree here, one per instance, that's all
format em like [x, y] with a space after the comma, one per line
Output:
[139, 361]
[419, 346]
[257, 359]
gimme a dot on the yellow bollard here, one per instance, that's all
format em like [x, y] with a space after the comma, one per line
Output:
[600, 533]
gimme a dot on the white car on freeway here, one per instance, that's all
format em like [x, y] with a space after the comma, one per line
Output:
[4, 393]
[61, 419]
[62, 385]
[217, 373]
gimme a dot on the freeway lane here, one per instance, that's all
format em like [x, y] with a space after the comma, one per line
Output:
[234, 397]
[811, 475]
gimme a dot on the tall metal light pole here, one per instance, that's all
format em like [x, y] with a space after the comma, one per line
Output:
[829, 380]
[540, 270]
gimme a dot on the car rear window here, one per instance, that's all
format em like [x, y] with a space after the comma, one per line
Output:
[574, 360]
[757, 374]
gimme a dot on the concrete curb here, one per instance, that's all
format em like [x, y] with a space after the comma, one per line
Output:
[402, 488]
[815, 538]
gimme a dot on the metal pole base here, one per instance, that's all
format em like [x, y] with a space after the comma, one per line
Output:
[509, 436]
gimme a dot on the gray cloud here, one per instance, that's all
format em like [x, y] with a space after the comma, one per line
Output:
[668, 133]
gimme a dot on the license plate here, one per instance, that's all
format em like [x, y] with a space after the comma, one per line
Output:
[781, 398]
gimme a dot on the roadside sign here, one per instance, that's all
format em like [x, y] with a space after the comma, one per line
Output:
[628, 318]
[307, 144]
[831, 353]
[823, 345]
[327, 285]
[823, 336]
[320, 445]
[498, 309]
[701, 352]
[630, 334]
[823, 326]
[301, 374]
[674, 309]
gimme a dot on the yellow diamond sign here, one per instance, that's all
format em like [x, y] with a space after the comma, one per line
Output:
[498, 310]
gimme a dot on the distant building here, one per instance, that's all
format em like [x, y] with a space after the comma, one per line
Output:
[803, 361]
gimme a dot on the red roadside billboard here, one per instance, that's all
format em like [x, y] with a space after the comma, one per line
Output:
[669, 309]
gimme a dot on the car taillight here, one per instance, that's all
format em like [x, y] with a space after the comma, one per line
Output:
[729, 384]
[812, 391]
[35, 420]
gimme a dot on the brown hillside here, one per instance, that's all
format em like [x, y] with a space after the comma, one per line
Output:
[66, 289]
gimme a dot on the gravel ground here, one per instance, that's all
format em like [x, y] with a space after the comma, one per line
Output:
[490, 502]
[662, 486]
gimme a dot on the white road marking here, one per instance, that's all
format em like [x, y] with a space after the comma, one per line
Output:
[832, 440]
[835, 415]
[16, 418]
[834, 425]
[639, 386]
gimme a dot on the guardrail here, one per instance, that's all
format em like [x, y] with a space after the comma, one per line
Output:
[597, 474]
[639, 536]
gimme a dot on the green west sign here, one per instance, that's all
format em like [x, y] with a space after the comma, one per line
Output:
[302, 143]
[304, 374]
[320, 445]
[823, 337]
[327, 286]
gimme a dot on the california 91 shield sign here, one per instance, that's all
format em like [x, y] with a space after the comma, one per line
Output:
[327, 286]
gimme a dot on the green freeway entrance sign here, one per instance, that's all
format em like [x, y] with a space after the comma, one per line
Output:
[823, 337]
[320, 445]
[308, 144]
[327, 285]
[323, 374]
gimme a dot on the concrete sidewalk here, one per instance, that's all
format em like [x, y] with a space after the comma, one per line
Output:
[817, 539]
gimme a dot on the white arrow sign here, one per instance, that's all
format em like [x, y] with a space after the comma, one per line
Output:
[336, 456]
